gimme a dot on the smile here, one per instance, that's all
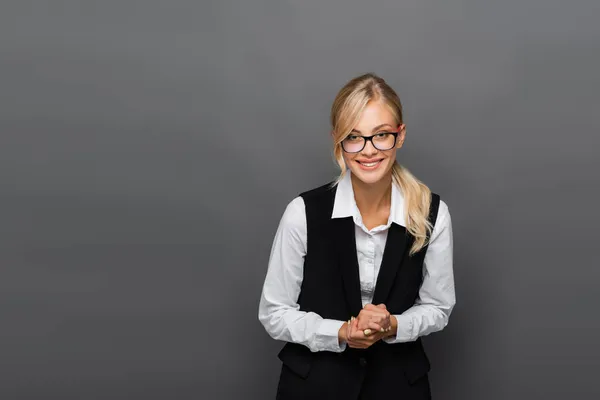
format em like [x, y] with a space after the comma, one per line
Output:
[369, 165]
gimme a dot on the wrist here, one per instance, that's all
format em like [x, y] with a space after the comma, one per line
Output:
[394, 326]
[342, 333]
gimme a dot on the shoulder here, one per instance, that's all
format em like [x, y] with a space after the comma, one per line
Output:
[439, 207]
[294, 215]
[292, 225]
[295, 211]
[443, 208]
[319, 201]
[443, 211]
[321, 191]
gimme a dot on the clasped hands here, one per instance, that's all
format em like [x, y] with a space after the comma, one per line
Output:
[373, 323]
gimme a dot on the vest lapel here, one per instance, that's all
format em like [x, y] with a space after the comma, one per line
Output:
[393, 253]
[345, 242]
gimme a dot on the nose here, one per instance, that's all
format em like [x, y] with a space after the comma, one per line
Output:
[369, 149]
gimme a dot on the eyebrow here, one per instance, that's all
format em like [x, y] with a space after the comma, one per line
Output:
[374, 129]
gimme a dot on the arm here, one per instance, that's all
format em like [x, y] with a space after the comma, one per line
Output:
[278, 310]
[436, 296]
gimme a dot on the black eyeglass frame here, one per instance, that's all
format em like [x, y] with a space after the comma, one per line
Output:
[370, 139]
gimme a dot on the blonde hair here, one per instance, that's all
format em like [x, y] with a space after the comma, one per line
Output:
[346, 110]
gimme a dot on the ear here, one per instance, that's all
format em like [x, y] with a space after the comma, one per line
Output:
[401, 135]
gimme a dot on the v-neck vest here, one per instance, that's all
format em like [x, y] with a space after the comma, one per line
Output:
[331, 288]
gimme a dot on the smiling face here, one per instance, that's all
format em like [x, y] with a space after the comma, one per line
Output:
[370, 165]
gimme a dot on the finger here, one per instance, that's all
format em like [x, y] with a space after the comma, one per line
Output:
[382, 306]
[348, 338]
[375, 327]
[357, 334]
[363, 322]
[354, 336]
[364, 342]
[351, 329]
[372, 331]
[369, 314]
[380, 317]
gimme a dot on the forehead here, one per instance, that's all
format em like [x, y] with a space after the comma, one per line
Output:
[375, 113]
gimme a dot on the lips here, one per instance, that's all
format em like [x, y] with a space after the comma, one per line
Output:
[369, 164]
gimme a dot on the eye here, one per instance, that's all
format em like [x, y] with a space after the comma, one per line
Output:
[381, 134]
[353, 138]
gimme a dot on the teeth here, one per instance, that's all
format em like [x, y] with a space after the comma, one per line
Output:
[370, 164]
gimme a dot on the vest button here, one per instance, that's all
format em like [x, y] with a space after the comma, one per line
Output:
[362, 361]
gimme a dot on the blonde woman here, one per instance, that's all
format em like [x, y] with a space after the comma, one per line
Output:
[361, 268]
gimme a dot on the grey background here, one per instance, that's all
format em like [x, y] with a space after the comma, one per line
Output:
[148, 150]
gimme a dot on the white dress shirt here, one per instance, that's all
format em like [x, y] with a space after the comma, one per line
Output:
[279, 311]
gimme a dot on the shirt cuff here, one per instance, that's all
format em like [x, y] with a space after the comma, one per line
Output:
[404, 330]
[327, 336]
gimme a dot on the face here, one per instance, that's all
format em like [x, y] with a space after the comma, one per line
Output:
[370, 165]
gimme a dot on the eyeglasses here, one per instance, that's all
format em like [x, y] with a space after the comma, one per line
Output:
[381, 141]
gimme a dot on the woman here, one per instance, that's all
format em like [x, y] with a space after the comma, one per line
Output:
[360, 268]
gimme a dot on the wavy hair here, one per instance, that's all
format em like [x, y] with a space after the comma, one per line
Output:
[346, 110]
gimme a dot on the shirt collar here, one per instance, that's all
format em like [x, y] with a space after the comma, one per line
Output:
[344, 204]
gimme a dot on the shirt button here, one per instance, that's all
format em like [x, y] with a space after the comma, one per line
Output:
[362, 361]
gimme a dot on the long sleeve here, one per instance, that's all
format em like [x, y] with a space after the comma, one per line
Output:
[278, 310]
[436, 300]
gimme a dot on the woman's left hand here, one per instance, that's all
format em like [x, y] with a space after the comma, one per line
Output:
[374, 317]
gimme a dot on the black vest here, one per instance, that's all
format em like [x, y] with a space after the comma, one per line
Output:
[331, 288]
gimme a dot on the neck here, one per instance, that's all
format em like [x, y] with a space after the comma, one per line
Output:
[372, 197]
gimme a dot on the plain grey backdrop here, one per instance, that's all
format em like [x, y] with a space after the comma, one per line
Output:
[149, 148]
